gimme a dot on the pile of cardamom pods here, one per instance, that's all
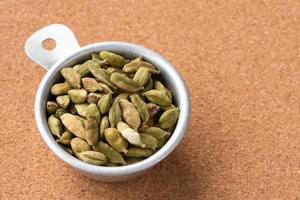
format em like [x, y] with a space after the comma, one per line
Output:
[111, 111]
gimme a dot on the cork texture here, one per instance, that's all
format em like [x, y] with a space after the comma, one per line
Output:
[240, 61]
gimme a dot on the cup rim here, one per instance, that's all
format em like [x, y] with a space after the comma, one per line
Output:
[179, 131]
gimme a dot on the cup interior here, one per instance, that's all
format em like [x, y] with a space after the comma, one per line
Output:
[170, 77]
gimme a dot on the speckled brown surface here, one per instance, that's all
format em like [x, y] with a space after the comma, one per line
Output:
[241, 63]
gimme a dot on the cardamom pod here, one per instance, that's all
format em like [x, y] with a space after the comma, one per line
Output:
[150, 141]
[115, 113]
[114, 138]
[91, 131]
[72, 77]
[112, 155]
[93, 97]
[106, 89]
[78, 145]
[156, 132]
[111, 70]
[81, 109]
[167, 107]
[149, 123]
[104, 103]
[93, 111]
[99, 73]
[55, 126]
[142, 76]
[92, 157]
[63, 101]
[59, 112]
[141, 107]
[125, 83]
[104, 124]
[82, 69]
[159, 86]
[65, 138]
[139, 153]
[153, 109]
[73, 124]
[168, 118]
[113, 58]
[132, 136]
[130, 114]
[78, 96]
[91, 84]
[60, 88]
[158, 97]
[135, 64]
[123, 95]
[51, 107]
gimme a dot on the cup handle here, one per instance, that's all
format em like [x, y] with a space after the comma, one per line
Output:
[66, 43]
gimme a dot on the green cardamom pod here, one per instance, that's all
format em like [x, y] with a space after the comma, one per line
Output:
[158, 97]
[73, 124]
[141, 106]
[115, 113]
[82, 69]
[142, 76]
[159, 86]
[139, 153]
[93, 111]
[72, 77]
[132, 136]
[55, 126]
[156, 132]
[93, 97]
[114, 138]
[125, 83]
[78, 96]
[104, 124]
[112, 155]
[81, 109]
[51, 107]
[91, 84]
[60, 88]
[150, 141]
[153, 109]
[111, 70]
[168, 118]
[59, 112]
[99, 73]
[106, 89]
[167, 107]
[135, 64]
[91, 131]
[92, 157]
[65, 138]
[78, 145]
[63, 101]
[104, 103]
[130, 114]
[113, 58]
[123, 95]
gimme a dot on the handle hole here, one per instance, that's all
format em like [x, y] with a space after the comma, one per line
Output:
[49, 44]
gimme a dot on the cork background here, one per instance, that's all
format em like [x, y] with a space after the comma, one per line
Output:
[240, 61]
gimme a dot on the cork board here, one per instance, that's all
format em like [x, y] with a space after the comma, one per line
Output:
[240, 61]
